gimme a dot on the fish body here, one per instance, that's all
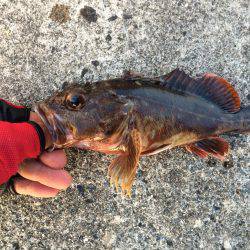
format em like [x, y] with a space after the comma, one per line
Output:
[135, 116]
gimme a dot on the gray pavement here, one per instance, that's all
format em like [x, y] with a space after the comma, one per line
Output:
[178, 201]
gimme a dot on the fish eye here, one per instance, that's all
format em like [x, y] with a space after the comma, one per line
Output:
[75, 101]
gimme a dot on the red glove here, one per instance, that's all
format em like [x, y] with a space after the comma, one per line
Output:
[19, 138]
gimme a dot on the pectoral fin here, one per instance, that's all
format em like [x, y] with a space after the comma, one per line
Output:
[216, 147]
[122, 170]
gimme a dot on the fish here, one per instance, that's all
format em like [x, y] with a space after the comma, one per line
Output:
[134, 116]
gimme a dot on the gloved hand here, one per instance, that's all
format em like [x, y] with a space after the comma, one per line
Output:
[23, 136]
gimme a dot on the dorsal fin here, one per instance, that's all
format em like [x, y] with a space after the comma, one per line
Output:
[210, 87]
[128, 74]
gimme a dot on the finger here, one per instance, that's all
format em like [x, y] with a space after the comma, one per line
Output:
[37, 171]
[36, 189]
[56, 159]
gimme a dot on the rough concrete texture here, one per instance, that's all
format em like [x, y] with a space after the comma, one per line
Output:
[178, 201]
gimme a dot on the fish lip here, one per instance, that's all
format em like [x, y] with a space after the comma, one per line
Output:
[56, 127]
[40, 111]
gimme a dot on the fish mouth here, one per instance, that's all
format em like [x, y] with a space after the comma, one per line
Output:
[54, 125]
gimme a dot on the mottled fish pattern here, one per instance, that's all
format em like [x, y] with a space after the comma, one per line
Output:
[134, 116]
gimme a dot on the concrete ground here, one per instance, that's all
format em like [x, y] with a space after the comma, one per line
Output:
[178, 201]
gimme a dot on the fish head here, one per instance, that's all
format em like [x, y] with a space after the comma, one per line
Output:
[82, 113]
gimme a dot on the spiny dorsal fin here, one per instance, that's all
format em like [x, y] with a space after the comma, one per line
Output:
[128, 74]
[210, 87]
[215, 146]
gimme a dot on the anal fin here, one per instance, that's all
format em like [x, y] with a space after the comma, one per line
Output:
[215, 146]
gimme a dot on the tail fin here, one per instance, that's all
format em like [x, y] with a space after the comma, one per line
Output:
[243, 119]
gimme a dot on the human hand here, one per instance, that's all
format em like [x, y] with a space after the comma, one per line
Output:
[43, 177]
[40, 177]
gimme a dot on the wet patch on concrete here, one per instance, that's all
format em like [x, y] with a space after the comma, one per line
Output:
[84, 72]
[108, 38]
[127, 16]
[89, 14]
[60, 13]
[95, 63]
[113, 18]
[228, 164]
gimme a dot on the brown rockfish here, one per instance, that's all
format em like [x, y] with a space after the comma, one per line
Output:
[134, 116]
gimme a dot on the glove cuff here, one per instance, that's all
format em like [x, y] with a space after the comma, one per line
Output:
[40, 134]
